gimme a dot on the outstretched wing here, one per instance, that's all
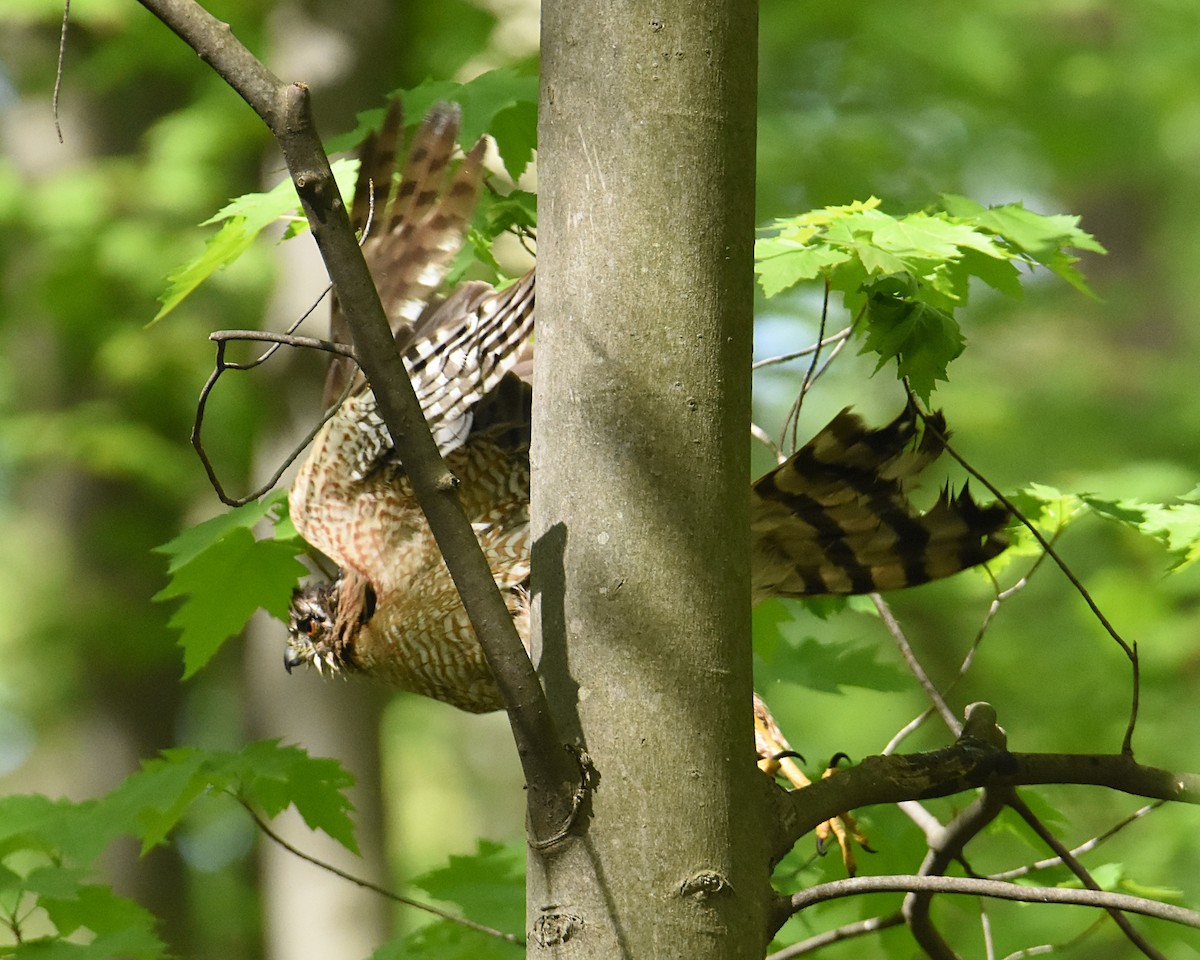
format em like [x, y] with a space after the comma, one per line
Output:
[835, 518]
[458, 349]
[349, 499]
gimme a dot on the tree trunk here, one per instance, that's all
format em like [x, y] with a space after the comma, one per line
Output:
[646, 179]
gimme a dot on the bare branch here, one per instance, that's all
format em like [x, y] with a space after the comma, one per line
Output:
[969, 764]
[892, 625]
[793, 416]
[948, 845]
[993, 608]
[58, 72]
[221, 338]
[550, 774]
[998, 890]
[943, 851]
[847, 932]
[1063, 947]
[280, 339]
[789, 357]
[1081, 872]
[1086, 847]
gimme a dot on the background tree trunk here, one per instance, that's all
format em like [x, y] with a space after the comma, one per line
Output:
[646, 181]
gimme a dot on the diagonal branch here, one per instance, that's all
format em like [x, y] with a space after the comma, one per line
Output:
[1077, 868]
[550, 772]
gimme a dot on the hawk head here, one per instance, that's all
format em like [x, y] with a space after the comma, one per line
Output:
[311, 628]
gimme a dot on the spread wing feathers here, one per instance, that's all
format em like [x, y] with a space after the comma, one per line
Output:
[462, 350]
[455, 356]
[457, 349]
[415, 230]
[426, 220]
[835, 518]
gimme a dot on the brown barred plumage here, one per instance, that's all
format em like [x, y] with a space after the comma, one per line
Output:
[832, 519]
[835, 518]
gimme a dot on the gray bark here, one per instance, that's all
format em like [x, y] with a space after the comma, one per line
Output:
[646, 180]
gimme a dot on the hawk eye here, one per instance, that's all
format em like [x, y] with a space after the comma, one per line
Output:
[306, 625]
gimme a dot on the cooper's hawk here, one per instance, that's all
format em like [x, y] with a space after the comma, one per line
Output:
[833, 519]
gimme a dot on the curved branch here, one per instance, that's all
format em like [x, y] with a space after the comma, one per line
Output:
[946, 849]
[550, 773]
[221, 338]
[374, 887]
[1130, 650]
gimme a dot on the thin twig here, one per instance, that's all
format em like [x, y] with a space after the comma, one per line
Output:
[374, 887]
[58, 72]
[224, 337]
[1086, 847]
[1044, 948]
[985, 927]
[833, 338]
[278, 340]
[1130, 650]
[847, 932]
[761, 435]
[993, 608]
[896, 632]
[1077, 868]
[793, 417]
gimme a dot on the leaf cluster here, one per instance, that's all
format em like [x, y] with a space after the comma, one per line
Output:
[1174, 525]
[500, 103]
[49, 848]
[905, 276]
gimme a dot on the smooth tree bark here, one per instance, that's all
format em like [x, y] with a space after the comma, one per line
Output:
[640, 472]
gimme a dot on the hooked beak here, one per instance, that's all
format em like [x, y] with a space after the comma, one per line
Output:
[291, 659]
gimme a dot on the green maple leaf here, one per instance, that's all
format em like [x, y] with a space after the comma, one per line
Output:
[830, 667]
[781, 264]
[274, 776]
[150, 803]
[922, 339]
[932, 238]
[243, 219]
[488, 884]
[224, 575]
[1175, 525]
[224, 586]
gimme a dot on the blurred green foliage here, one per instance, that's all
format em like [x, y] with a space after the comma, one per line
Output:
[1087, 106]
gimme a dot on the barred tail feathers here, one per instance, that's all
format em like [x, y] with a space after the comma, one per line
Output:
[835, 518]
